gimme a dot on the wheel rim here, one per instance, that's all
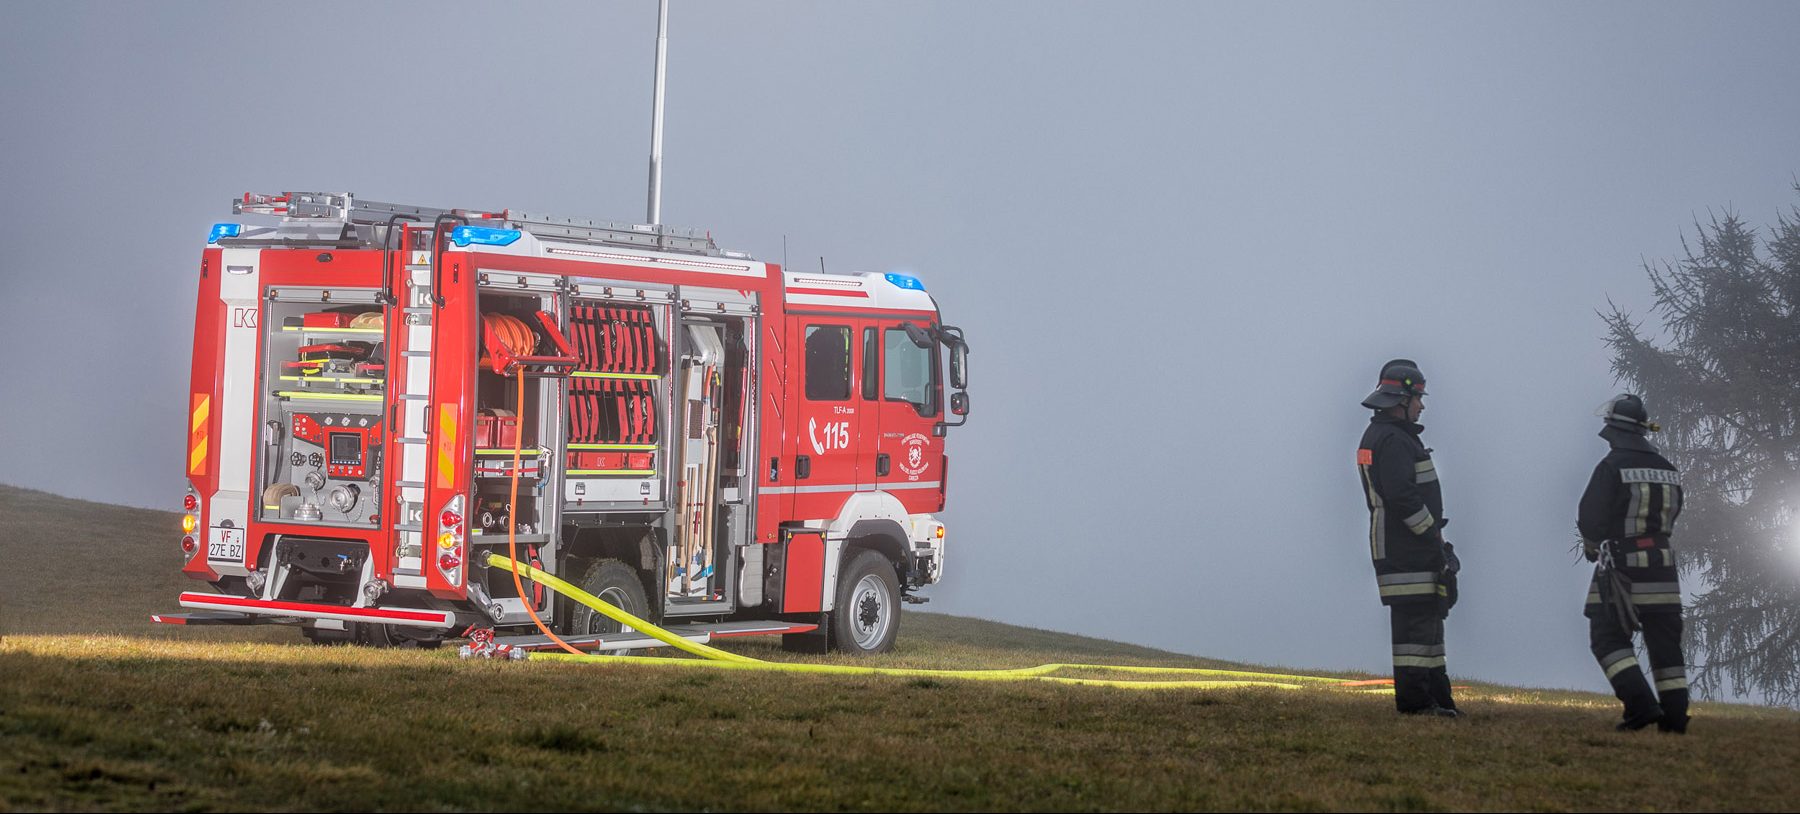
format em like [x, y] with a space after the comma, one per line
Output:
[871, 612]
[598, 622]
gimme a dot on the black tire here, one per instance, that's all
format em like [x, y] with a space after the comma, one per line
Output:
[616, 583]
[327, 637]
[866, 618]
[373, 635]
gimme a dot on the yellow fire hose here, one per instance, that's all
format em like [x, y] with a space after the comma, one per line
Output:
[712, 657]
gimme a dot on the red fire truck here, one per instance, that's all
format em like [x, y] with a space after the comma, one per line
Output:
[708, 441]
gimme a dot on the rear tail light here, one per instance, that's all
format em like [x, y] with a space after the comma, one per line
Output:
[190, 522]
[452, 535]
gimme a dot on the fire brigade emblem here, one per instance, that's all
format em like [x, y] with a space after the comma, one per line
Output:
[915, 455]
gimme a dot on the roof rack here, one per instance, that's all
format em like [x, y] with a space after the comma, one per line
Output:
[347, 209]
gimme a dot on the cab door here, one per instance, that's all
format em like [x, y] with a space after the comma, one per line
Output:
[826, 428]
[904, 394]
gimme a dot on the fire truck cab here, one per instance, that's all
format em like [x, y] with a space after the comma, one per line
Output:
[383, 394]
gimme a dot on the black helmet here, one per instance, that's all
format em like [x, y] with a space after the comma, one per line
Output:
[1626, 411]
[1400, 378]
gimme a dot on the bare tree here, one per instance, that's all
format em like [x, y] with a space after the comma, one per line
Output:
[1726, 387]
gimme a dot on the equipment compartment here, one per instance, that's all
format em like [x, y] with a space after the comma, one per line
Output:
[324, 384]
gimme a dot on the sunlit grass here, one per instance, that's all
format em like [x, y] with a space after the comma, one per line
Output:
[101, 710]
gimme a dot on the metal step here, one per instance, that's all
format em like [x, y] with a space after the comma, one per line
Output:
[698, 633]
[210, 618]
[609, 641]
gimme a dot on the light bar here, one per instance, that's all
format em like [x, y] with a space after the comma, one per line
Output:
[906, 282]
[220, 230]
[465, 235]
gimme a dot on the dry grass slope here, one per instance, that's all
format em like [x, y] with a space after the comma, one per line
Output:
[100, 710]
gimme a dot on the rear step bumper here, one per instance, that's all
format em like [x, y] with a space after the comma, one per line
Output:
[410, 617]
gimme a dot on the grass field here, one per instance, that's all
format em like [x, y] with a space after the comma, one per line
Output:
[101, 710]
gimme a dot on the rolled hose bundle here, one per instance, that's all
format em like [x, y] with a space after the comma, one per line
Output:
[517, 336]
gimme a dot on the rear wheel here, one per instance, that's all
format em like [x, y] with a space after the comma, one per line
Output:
[327, 637]
[617, 584]
[867, 616]
[374, 635]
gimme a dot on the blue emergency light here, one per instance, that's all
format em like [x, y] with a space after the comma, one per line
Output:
[903, 281]
[464, 235]
[220, 230]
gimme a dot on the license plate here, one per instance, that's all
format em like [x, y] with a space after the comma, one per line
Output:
[225, 544]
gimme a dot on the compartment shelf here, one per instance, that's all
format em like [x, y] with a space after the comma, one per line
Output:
[304, 395]
[594, 374]
[349, 332]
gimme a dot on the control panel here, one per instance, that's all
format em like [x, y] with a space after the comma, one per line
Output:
[327, 468]
[349, 442]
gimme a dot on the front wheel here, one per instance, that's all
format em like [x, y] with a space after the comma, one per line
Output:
[867, 616]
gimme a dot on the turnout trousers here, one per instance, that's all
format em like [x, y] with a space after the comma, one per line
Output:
[1612, 647]
[1420, 680]
[1655, 593]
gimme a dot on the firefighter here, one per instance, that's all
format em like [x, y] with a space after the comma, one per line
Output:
[1415, 569]
[1625, 519]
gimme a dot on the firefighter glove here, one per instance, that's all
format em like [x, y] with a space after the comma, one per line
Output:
[1451, 564]
[1591, 550]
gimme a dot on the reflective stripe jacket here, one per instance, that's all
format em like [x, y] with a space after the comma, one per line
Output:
[1406, 511]
[1634, 498]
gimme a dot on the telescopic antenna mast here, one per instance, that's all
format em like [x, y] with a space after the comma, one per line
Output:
[656, 114]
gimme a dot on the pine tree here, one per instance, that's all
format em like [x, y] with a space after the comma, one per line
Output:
[1726, 387]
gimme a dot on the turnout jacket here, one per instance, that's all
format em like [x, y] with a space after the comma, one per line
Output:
[1406, 511]
[1633, 499]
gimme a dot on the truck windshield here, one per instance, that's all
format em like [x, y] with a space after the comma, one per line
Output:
[908, 374]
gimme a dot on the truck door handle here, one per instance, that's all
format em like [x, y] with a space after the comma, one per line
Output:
[881, 465]
[774, 470]
[802, 467]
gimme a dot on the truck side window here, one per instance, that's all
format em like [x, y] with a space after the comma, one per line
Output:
[871, 364]
[908, 373]
[828, 362]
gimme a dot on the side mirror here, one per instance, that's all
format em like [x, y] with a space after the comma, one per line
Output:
[959, 365]
[959, 403]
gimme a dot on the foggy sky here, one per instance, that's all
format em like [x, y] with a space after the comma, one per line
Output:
[1181, 238]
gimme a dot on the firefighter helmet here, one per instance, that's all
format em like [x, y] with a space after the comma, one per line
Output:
[1626, 411]
[1400, 379]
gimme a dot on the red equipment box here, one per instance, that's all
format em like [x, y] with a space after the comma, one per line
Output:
[496, 429]
[643, 461]
[326, 319]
